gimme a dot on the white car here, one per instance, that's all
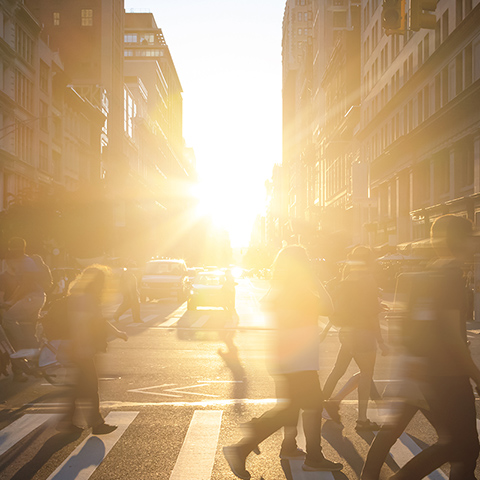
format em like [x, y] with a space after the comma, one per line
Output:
[164, 278]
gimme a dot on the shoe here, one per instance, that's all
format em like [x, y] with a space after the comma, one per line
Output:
[236, 461]
[20, 377]
[103, 429]
[332, 408]
[291, 454]
[28, 353]
[323, 465]
[68, 428]
[366, 426]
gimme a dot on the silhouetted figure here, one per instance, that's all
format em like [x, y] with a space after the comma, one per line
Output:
[24, 305]
[131, 297]
[88, 336]
[294, 303]
[438, 363]
[357, 307]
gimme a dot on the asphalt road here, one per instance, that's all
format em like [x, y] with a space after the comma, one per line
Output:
[177, 402]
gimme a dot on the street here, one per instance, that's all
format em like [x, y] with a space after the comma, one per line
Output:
[177, 404]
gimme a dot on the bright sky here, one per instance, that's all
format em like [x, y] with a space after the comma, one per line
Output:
[228, 56]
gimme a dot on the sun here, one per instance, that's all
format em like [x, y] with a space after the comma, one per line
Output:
[229, 207]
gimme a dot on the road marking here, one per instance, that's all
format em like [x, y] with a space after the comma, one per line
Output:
[169, 322]
[85, 459]
[299, 474]
[197, 455]
[145, 390]
[201, 321]
[177, 313]
[20, 428]
[405, 448]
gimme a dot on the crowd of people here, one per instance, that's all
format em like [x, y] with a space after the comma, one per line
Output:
[435, 366]
[436, 369]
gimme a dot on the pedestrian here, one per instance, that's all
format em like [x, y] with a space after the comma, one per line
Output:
[89, 331]
[131, 297]
[294, 303]
[24, 305]
[441, 366]
[356, 310]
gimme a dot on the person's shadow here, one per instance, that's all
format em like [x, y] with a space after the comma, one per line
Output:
[49, 448]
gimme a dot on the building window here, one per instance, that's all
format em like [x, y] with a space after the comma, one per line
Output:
[300, 31]
[23, 142]
[56, 19]
[44, 72]
[468, 65]
[445, 26]
[23, 90]
[300, 16]
[87, 17]
[43, 157]
[130, 38]
[43, 111]
[340, 19]
[23, 44]
[128, 53]
[426, 47]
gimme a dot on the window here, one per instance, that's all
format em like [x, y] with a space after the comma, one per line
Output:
[458, 12]
[445, 26]
[458, 73]
[56, 19]
[420, 107]
[305, 16]
[128, 53]
[130, 38]
[426, 47]
[468, 65]
[23, 44]
[300, 31]
[420, 55]
[43, 157]
[23, 90]
[426, 102]
[299, 16]
[444, 86]
[87, 17]
[23, 142]
[43, 113]
[147, 39]
[44, 72]
[339, 19]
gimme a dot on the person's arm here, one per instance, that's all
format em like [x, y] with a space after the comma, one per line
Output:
[326, 304]
[459, 351]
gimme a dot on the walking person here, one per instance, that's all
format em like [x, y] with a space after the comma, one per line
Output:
[294, 302]
[357, 307]
[24, 304]
[435, 341]
[131, 297]
[89, 331]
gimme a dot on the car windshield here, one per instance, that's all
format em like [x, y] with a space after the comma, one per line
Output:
[211, 280]
[163, 268]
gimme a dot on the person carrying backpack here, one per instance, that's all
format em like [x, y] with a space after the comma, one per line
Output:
[24, 305]
[356, 308]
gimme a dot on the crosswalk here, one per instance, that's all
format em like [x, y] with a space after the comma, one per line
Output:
[199, 453]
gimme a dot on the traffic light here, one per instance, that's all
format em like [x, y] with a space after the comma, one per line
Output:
[393, 16]
[420, 16]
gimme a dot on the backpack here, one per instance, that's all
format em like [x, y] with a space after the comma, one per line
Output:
[354, 302]
[55, 320]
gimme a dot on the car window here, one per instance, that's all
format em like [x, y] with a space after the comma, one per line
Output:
[163, 268]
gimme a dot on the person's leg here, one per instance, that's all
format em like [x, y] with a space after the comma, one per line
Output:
[384, 440]
[366, 363]
[452, 413]
[344, 357]
[136, 310]
[122, 308]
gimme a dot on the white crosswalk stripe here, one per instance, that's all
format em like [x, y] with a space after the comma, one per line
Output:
[196, 458]
[85, 459]
[17, 430]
